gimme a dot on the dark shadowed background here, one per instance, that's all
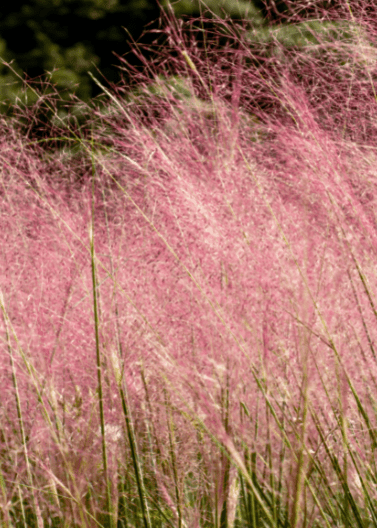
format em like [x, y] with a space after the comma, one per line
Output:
[55, 43]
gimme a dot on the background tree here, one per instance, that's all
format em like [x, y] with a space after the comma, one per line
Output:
[65, 39]
[70, 37]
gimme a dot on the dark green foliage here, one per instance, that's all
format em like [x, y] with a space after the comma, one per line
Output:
[57, 42]
[73, 36]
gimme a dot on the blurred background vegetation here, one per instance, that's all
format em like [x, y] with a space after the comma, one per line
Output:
[55, 43]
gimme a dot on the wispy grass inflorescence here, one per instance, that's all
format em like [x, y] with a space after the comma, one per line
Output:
[188, 289]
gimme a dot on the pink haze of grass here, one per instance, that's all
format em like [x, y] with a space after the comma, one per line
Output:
[234, 261]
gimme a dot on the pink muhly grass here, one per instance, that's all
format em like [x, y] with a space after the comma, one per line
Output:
[188, 301]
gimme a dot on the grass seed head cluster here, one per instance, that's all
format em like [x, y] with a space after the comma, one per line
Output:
[188, 291]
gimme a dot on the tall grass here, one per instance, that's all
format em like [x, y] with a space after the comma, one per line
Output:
[188, 292]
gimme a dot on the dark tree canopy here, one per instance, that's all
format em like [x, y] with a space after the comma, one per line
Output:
[73, 36]
[66, 39]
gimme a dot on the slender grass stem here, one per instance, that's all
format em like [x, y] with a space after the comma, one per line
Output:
[108, 483]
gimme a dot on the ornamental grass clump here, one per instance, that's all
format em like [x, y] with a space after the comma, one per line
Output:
[187, 290]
